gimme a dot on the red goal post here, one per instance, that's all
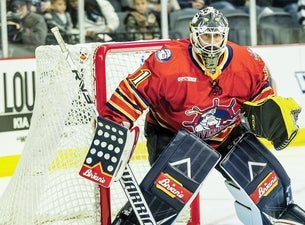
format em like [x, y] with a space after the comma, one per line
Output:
[106, 70]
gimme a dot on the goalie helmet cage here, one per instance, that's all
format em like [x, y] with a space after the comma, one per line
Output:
[46, 188]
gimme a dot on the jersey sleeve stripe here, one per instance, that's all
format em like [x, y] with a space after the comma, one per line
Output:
[265, 93]
[130, 114]
[136, 95]
[121, 94]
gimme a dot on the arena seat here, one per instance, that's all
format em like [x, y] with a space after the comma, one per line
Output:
[276, 27]
[179, 23]
[239, 23]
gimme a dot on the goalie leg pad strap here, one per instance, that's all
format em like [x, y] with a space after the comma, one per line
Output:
[259, 175]
[247, 212]
[109, 152]
[176, 177]
[293, 213]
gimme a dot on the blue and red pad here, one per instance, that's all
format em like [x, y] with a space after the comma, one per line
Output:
[174, 179]
[260, 184]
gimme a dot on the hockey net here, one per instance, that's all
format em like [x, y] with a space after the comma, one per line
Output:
[46, 188]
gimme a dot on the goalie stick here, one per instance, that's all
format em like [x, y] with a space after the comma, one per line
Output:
[139, 204]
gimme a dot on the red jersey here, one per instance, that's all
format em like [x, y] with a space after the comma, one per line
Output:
[180, 94]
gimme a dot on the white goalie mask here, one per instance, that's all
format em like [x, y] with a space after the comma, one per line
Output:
[209, 34]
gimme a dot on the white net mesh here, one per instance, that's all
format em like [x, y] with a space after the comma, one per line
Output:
[46, 187]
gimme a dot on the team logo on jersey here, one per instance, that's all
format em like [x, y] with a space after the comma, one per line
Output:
[163, 55]
[210, 121]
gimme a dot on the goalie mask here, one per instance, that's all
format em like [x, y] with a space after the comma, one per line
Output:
[209, 33]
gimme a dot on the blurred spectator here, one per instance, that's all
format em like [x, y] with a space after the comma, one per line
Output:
[218, 4]
[225, 5]
[244, 4]
[155, 7]
[72, 9]
[142, 22]
[58, 16]
[196, 4]
[301, 12]
[239, 4]
[126, 5]
[41, 6]
[25, 27]
[100, 17]
[290, 6]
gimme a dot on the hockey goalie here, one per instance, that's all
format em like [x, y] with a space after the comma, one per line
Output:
[209, 100]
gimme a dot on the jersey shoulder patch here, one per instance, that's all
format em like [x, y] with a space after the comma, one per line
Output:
[163, 55]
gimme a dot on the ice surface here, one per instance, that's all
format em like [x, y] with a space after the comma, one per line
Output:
[216, 202]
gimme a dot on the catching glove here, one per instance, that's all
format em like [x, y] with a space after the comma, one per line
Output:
[274, 119]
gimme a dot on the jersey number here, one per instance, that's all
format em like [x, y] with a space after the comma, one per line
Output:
[142, 76]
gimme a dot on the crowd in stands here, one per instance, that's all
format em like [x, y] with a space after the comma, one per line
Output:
[142, 21]
[30, 21]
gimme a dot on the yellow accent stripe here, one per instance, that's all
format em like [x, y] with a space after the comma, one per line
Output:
[139, 100]
[122, 110]
[65, 159]
[8, 164]
[296, 142]
[68, 158]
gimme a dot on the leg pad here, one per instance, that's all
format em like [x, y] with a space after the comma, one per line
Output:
[174, 179]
